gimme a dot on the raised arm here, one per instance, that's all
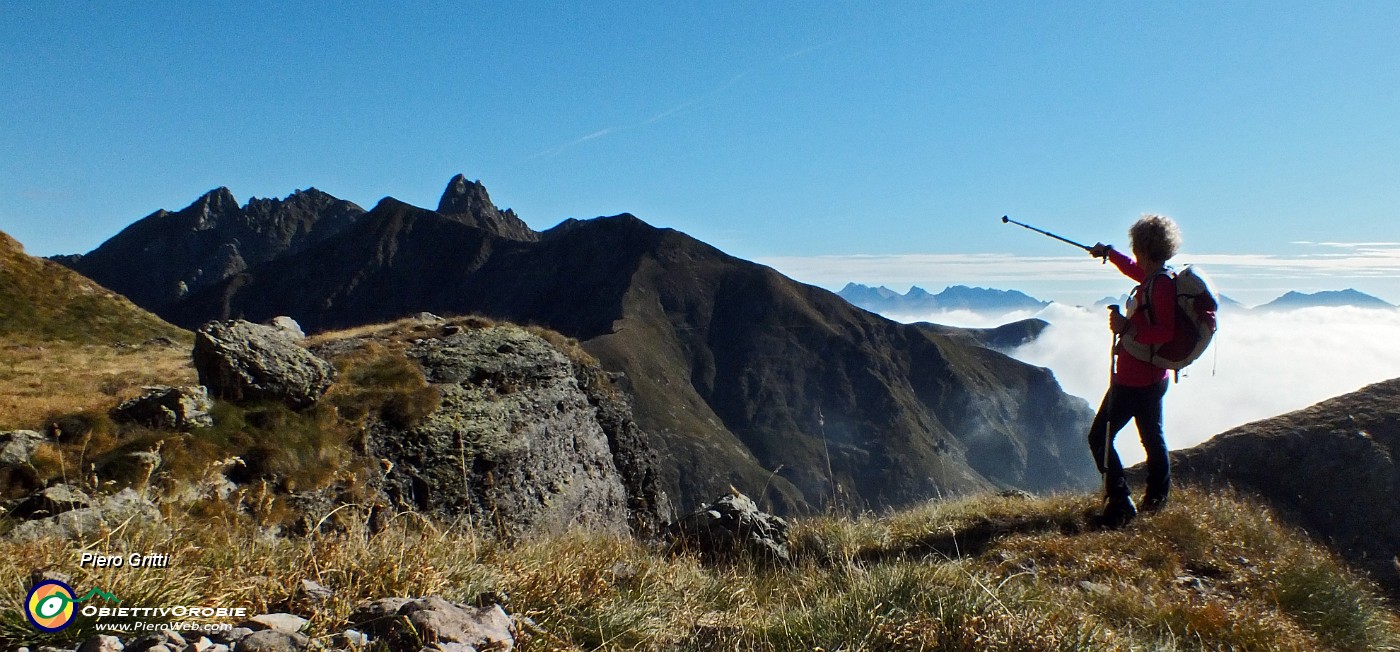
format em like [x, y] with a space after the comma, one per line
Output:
[1127, 265]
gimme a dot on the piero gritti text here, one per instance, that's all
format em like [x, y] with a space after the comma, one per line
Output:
[133, 560]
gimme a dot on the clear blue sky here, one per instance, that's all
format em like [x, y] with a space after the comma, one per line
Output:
[874, 142]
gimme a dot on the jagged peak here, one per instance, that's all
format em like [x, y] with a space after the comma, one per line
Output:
[220, 198]
[463, 196]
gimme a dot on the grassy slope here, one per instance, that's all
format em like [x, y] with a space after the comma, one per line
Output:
[41, 300]
[1210, 572]
[58, 337]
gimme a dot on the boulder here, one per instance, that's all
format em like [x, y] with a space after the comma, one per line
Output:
[521, 440]
[271, 640]
[314, 592]
[51, 501]
[287, 325]
[732, 526]
[167, 408]
[80, 523]
[241, 361]
[230, 637]
[434, 621]
[18, 446]
[157, 641]
[286, 623]
[101, 643]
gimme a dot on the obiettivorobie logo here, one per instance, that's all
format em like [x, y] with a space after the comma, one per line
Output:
[51, 605]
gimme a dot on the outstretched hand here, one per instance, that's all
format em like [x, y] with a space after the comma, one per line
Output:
[1100, 250]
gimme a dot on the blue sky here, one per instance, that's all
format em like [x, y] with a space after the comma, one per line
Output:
[870, 142]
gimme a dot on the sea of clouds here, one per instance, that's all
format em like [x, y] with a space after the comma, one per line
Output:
[1261, 364]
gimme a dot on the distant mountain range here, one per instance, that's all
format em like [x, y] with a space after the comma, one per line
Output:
[1326, 299]
[917, 300]
[957, 297]
[741, 376]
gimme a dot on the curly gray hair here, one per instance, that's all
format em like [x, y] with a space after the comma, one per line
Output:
[1156, 237]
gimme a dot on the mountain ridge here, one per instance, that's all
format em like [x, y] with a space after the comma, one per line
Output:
[953, 297]
[742, 376]
[1349, 297]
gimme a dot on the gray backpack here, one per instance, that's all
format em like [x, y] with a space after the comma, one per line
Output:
[1194, 317]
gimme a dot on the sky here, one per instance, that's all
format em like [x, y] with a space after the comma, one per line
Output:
[875, 142]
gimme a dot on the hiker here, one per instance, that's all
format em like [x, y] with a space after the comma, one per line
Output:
[1137, 387]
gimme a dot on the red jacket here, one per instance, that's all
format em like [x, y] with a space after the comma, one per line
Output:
[1155, 326]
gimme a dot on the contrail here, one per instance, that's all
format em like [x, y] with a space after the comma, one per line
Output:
[699, 101]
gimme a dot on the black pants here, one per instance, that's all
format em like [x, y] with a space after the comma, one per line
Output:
[1144, 405]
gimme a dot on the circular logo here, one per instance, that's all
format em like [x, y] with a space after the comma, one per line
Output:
[49, 606]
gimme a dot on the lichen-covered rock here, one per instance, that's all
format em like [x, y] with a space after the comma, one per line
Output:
[168, 408]
[732, 526]
[523, 439]
[242, 361]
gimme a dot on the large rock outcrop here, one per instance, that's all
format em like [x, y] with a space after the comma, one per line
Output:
[1330, 467]
[242, 361]
[524, 439]
[731, 527]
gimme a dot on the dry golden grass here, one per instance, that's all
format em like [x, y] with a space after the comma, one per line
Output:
[1210, 572]
[41, 381]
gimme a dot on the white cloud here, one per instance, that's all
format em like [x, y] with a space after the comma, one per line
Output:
[1260, 365]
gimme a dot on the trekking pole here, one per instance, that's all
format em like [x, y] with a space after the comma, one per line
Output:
[1108, 403]
[1007, 220]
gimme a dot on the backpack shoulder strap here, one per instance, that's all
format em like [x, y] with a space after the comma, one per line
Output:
[1147, 290]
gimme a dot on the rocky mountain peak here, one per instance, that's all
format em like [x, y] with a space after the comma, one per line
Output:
[468, 202]
[463, 196]
[209, 209]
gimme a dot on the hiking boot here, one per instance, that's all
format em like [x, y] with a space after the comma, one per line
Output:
[1118, 511]
[1152, 504]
